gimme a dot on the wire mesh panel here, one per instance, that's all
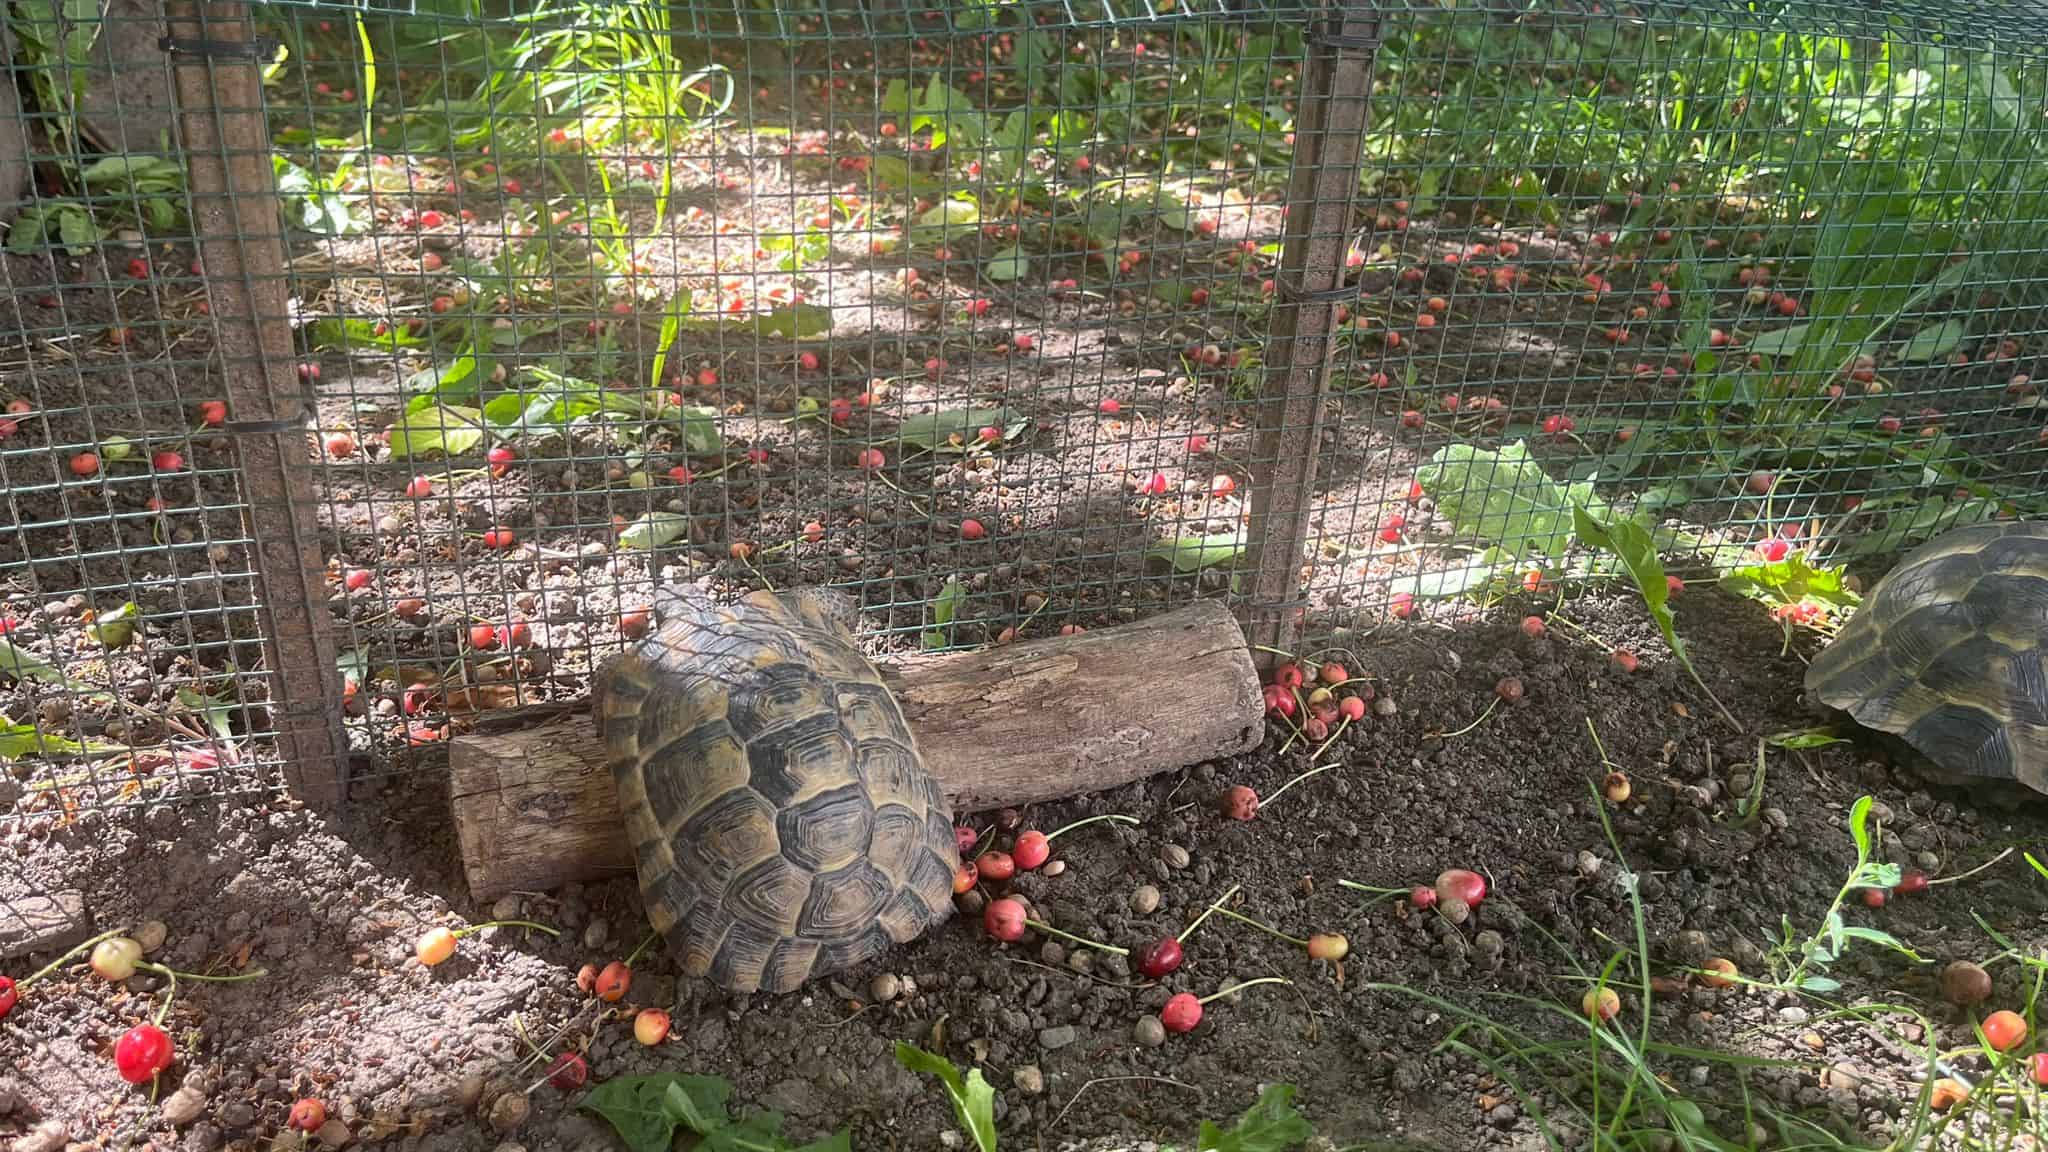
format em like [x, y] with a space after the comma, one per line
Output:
[132, 638]
[1753, 289]
[958, 319]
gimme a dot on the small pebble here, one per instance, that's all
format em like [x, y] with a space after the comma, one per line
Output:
[595, 934]
[1029, 1080]
[184, 1106]
[1384, 706]
[1054, 1039]
[1174, 855]
[508, 1112]
[335, 1134]
[507, 908]
[151, 935]
[49, 1136]
[1145, 900]
[884, 988]
[1454, 910]
[1149, 1032]
[1055, 868]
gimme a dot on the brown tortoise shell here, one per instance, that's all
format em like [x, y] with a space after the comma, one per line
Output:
[1946, 653]
[784, 824]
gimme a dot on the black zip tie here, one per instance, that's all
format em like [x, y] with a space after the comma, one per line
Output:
[262, 48]
[1320, 37]
[1292, 293]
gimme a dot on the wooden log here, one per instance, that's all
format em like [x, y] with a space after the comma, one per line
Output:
[1018, 724]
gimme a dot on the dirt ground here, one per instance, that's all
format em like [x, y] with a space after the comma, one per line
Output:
[330, 907]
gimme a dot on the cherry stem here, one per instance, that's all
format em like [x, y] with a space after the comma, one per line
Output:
[1355, 886]
[170, 994]
[1117, 816]
[641, 947]
[66, 958]
[1305, 775]
[1052, 931]
[1190, 929]
[461, 932]
[1266, 928]
[160, 970]
[1318, 754]
[1236, 988]
[1971, 872]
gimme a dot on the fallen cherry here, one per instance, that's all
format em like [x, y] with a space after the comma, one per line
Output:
[1033, 848]
[569, 1072]
[307, 1115]
[1240, 802]
[996, 865]
[1005, 920]
[142, 1052]
[650, 1026]
[9, 996]
[1461, 884]
[436, 945]
[1159, 958]
[1184, 1011]
[613, 982]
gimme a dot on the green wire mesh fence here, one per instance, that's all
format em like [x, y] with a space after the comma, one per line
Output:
[1007, 319]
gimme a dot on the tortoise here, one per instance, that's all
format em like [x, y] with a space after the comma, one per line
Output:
[784, 825]
[1946, 653]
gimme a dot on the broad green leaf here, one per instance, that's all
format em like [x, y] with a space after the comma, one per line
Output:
[637, 1108]
[355, 334]
[16, 662]
[1859, 828]
[1934, 342]
[443, 377]
[1272, 1125]
[1930, 518]
[654, 530]
[1009, 264]
[947, 605]
[944, 219]
[1792, 581]
[445, 428]
[1194, 553]
[354, 666]
[1503, 498]
[1820, 984]
[956, 428]
[700, 432]
[115, 629]
[974, 1101]
[1780, 341]
[784, 322]
[19, 740]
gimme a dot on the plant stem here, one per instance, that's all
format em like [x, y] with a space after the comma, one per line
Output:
[66, 958]
[1050, 836]
[1236, 988]
[650, 938]
[1052, 931]
[1298, 779]
[1355, 886]
[1266, 928]
[1973, 871]
[173, 976]
[1189, 930]
[461, 932]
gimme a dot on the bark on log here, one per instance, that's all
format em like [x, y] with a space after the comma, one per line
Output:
[1043, 720]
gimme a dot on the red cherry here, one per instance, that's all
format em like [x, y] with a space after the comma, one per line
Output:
[1159, 958]
[142, 1052]
[1031, 849]
[1181, 1013]
[996, 865]
[8, 996]
[1004, 919]
[569, 1072]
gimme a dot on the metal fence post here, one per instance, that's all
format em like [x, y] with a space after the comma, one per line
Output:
[1329, 136]
[218, 63]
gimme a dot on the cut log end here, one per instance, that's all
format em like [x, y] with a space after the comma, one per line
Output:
[1019, 724]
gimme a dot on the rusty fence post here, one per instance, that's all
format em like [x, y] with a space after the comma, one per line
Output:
[218, 60]
[1322, 194]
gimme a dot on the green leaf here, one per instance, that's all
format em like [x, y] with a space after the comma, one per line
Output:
[19, 740]
[1009, 264]
[1935, 342]
[1859, 828]
[1636, 548]
[1884, 939]
[956, 429]
[353, 334]
[1503, 498]
[2038, 867]
[784, 322]
[947, 605]
[1194, 553]
[1272, 1125]
[700, 431]
[218, 711]
[1805, 738]
[115, 629]
[1780, 341]
[1929, 518]
[1792, 581]
[636, 1107]
[444, 428]
[354, 666]
[974, 1101]
[443, 377]
[1449, 583]
[934, 225]
[16, 662]
[654, 530]
[1820, 984]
